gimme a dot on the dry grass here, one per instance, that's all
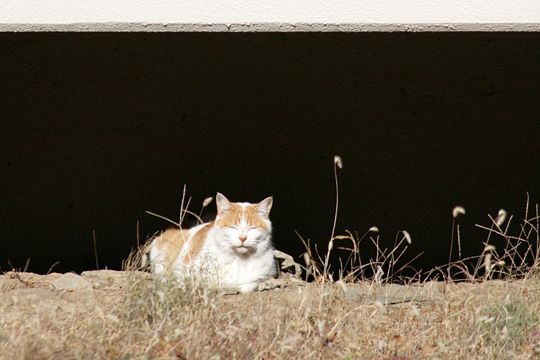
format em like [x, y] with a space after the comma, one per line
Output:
[134, 316]
[148, 319]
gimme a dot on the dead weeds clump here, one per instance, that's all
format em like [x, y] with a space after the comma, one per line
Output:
[484, 307]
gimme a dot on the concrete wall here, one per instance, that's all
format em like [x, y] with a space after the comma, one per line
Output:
[98, 128]
[264, 15]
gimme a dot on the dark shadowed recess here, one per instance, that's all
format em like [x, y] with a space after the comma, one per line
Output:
[97, 128]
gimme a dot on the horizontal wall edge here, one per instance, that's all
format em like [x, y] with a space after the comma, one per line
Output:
[271, 27]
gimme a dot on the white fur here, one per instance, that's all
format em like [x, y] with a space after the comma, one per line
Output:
[224, 260]
[221, 260]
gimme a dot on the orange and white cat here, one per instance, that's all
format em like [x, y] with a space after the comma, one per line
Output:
[235, 250]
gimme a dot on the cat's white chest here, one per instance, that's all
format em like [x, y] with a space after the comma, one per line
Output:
[245, 272]
[240, 271]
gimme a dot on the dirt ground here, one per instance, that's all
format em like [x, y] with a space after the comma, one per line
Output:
[128, 315]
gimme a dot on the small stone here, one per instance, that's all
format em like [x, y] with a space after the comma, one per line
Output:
[270, 284]
[70, 281]
[287, 264]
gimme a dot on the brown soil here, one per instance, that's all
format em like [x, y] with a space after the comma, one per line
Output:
[114, 314]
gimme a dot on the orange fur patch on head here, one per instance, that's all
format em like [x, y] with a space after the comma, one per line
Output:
[254, 218]
[250, 214]
[231, 217]
[197, 241]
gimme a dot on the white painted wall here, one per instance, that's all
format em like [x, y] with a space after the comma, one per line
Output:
[269, 11]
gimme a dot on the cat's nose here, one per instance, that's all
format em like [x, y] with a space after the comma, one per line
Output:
[242, 238]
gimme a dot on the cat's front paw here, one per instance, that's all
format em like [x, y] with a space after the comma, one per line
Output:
[244, 288]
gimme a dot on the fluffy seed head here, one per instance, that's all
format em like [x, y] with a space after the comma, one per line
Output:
[407, 236]
[458, 210]
[501, 217]
[373, 229]
[307, 259]
[338, 161]
[207, 201]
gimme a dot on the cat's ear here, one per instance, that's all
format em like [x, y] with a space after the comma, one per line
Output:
[222, 203]
[264, 206]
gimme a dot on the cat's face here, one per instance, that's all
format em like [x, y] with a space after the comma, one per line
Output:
[244, 227]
